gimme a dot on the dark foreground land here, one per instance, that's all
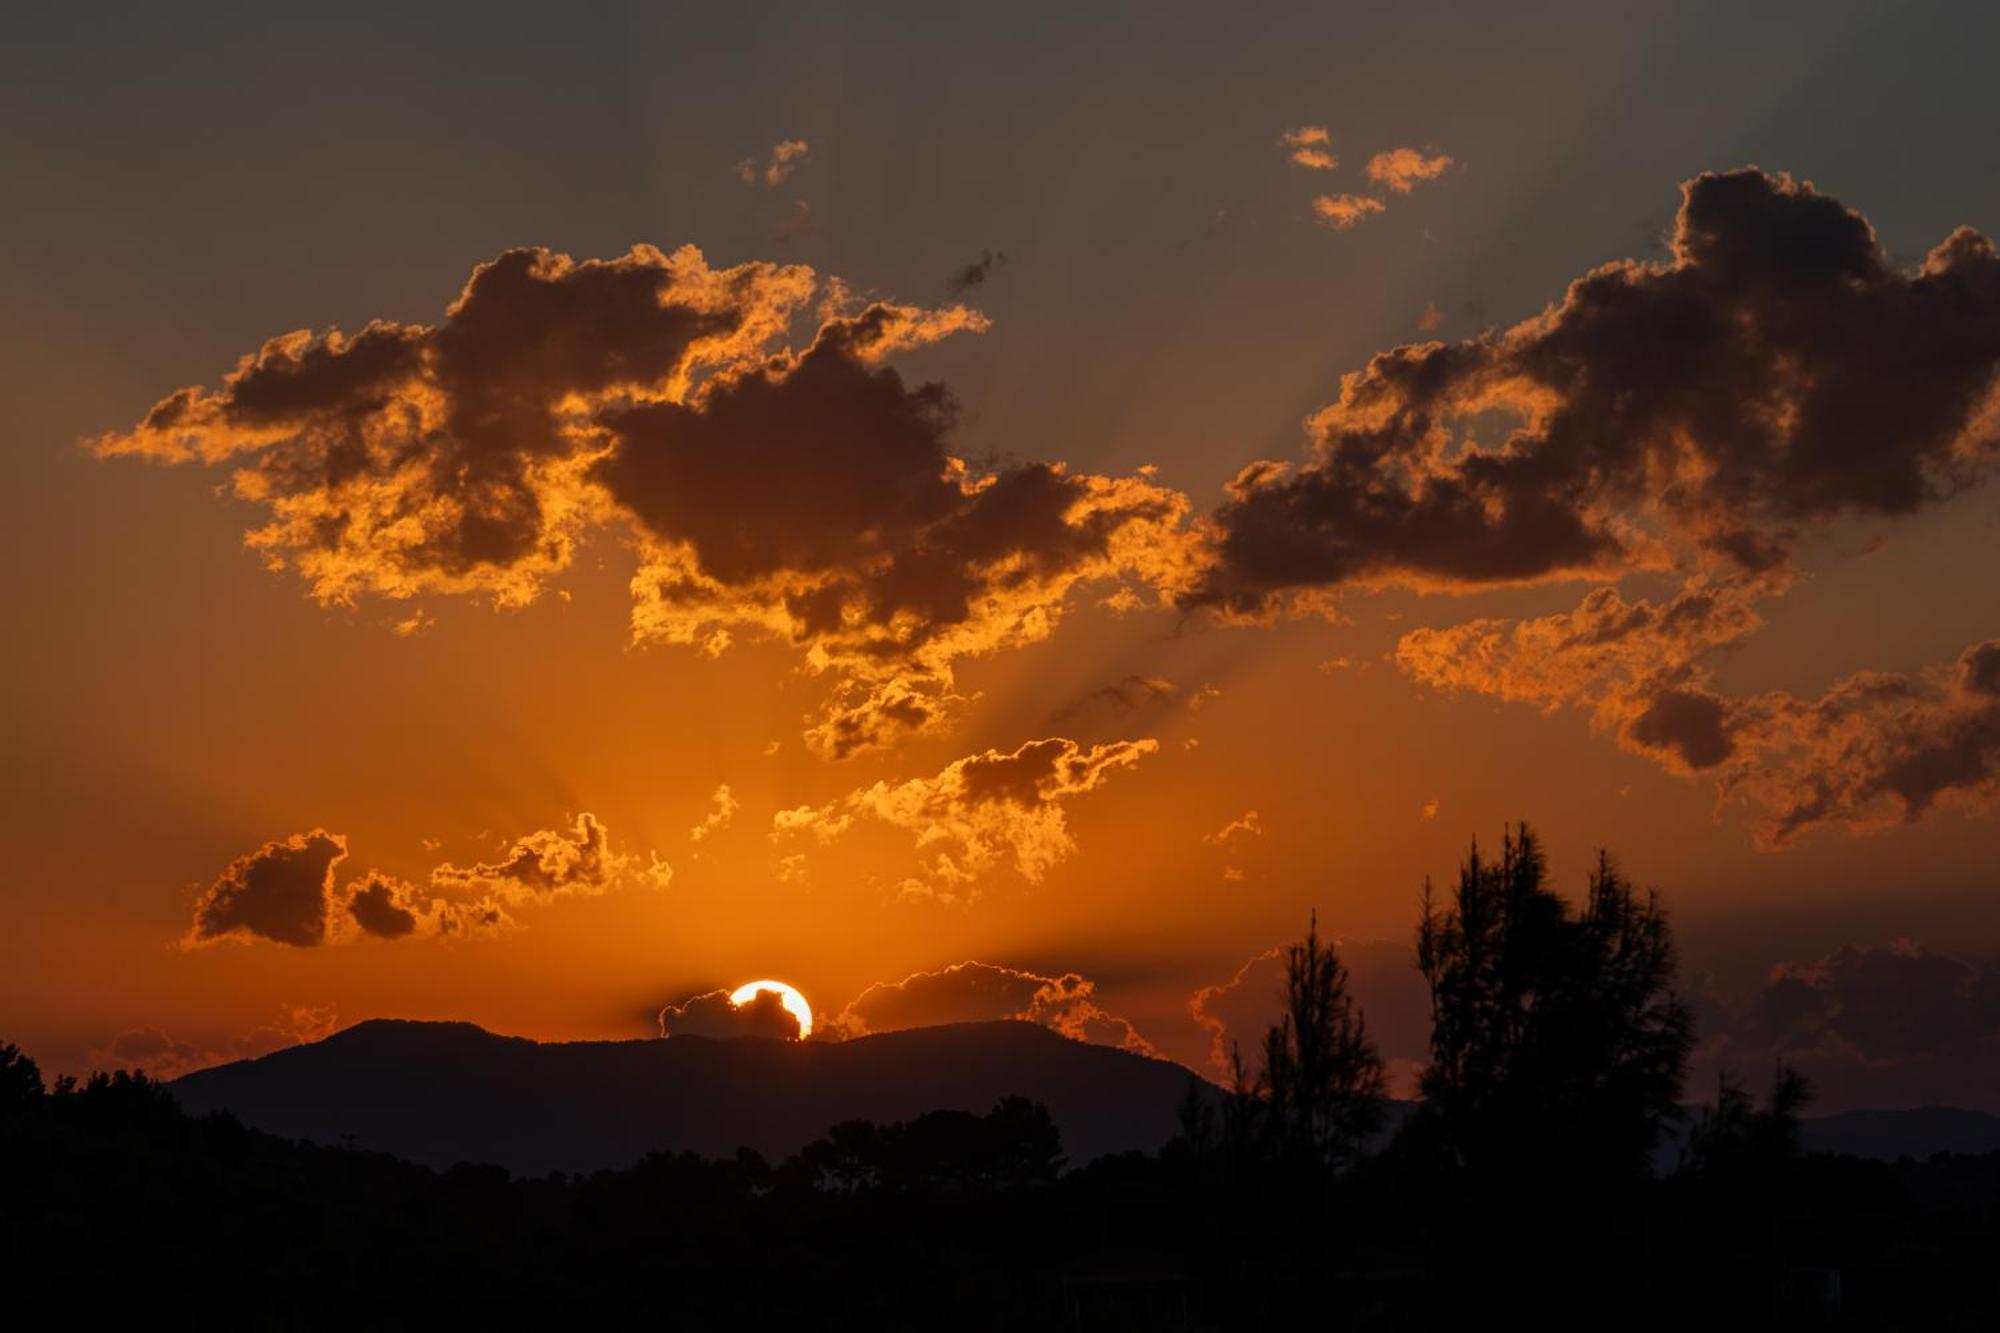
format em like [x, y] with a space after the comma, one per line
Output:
[1526, 1187]
[114, 1199]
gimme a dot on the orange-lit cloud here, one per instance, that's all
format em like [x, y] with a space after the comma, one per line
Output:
[1874, 750]
[1341, 211]
[721, 813]
[1310, 145]
[783, 159]
[805, 495]
[1244, 825]
[1640, 667]
[1401, 170]
[977, 813]
[975, 992]
[412, 459]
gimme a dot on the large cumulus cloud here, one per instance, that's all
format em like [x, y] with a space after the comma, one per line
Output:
[809, 495]
[1695, 417]
[1776, 373]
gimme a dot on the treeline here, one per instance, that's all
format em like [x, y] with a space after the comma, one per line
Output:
[1522, 1186]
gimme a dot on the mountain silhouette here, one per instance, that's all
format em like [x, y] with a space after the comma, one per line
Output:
[441, 1093]
[1888, 1135]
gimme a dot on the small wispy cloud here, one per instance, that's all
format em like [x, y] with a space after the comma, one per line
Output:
[1310, 147]
[1401, 170]
[780, 162]
[1341, 211]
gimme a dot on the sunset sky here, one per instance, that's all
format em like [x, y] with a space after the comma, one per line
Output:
[833, 493]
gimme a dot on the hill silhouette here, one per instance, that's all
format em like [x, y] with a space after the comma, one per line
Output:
[440, 1093]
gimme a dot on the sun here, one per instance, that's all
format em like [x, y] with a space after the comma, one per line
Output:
[795, 1003]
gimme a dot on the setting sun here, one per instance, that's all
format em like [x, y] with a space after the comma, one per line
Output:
[795, 1003]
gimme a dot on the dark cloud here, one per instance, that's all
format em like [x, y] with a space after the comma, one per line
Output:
[1776, 373]
[378, 907]
[1872, 1026]
[412, 458]
[1876, 749]
[1133, 698]
[975, 274]
[811, 496]
[818, 499]
[165, 1056]
[281, 892]
[712, 1015]
[285, 890]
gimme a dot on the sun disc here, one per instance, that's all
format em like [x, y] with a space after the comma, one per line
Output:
[789, 996]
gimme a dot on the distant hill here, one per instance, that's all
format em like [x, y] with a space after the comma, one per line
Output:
[1888, 1135]
[441, 1093]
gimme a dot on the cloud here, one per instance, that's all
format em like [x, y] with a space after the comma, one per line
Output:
[796, 225]
[1244, 825]
[722, 810]
[810, 496]
[712, 1015]
[975, 274]
[381, 906]
[1875, 749]
[1382, 977]
[542, 865]
[164, 1056]
[1638, 666]
[783, 159]
[1309, 145]
[282, 892]
[1872, 1026]
[881, 556]
[1341, 211]
[1133, 697]
[1401, 170]
[285, 891]
[975, 992]
[978, 812]
[411, 459]
[1775, 374]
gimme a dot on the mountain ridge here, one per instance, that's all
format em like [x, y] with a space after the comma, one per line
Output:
[439, 1093]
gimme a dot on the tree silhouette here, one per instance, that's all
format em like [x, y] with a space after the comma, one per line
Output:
[20, 1080]
[1321, 1072]
[1557, 1043]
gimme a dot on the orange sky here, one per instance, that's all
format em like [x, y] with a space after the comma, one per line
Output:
[1101, 719]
